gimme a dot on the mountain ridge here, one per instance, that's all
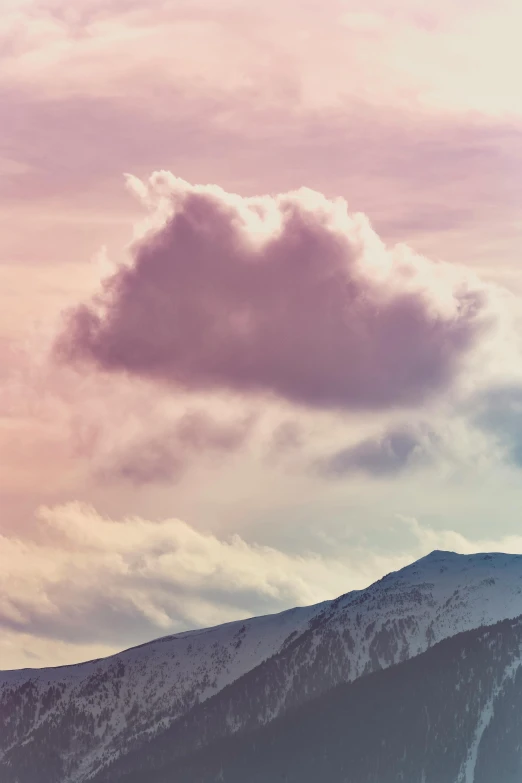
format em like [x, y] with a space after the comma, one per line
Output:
[85, 716]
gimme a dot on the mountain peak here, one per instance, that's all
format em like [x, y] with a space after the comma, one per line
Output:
[441, 554]
[496, 559]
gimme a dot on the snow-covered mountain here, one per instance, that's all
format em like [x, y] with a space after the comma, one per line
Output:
[450, 715]
[196, 687]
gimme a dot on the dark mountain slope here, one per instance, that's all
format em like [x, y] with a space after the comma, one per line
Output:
[450, 715]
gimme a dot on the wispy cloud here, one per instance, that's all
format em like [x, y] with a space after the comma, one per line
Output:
[386, 455]
[165, 455]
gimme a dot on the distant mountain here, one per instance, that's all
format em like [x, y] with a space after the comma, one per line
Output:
[150, 707]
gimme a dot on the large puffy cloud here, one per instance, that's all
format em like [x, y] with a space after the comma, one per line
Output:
[289, 295]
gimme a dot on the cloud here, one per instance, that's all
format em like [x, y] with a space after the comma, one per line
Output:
[498, 411]
[389, 454]
[88, 580]
[103, 429]
[92, 579]
[164, 457]
[286, 437]
[453, 541]
[288, 295]
[384, 55]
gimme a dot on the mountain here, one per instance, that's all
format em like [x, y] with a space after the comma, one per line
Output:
[153, 705]
[450, 715]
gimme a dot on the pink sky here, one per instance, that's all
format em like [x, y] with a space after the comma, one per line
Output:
[270, 379]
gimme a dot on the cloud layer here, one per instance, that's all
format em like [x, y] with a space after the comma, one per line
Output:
[289, 295]
[90, 580]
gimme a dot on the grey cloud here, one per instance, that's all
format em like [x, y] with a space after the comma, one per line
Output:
[164, 457]
[498, 411]
[285, 438]
[393, 452]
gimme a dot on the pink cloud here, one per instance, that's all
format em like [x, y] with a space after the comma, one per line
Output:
[165, 456]
[388, 53]
[288, 295]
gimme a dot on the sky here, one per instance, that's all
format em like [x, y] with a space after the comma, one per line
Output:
[260, 303]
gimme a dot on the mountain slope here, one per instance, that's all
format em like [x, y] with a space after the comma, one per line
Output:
[197, 687]
[450, 715]
[75, 715]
